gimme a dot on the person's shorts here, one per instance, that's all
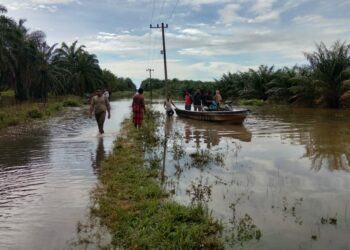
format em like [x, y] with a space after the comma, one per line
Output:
[188, 107]
[170, 112]
[197, 107]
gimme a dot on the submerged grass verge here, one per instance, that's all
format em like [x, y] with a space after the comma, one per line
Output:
[131, 204]
[27, 111]
[251, 102]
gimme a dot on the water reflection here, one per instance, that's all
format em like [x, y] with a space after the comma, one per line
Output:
[324, 133]
[265, 190]
[46, 173]
[99, 155]
[20, 176]
[328, 146]
[212, 133]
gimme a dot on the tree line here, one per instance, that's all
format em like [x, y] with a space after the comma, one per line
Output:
[32, 68]
[178, 87]
[324, 82]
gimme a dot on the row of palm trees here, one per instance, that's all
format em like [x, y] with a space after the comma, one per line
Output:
[324, 82]
[33, 68]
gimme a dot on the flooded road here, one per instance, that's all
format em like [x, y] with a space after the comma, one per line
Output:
[46, 173]
[283, 177]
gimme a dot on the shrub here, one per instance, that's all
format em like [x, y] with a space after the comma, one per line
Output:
[70, 102]
[35, 114]
[2, 116]
[251, 102]
[12, 121]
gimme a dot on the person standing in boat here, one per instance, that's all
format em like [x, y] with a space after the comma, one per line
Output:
[197, 101]
[188, 101]
[207, 99]
[167, 105]
[138, 108]
[218, 99]
[100, 105]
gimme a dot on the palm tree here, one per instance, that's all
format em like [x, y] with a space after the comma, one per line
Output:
[87, 75]
[7, 40]
[330, 71]
[27, 55]
[85, 72]
[257, 83]
[279, 86]
[51, 76]
[302, 89]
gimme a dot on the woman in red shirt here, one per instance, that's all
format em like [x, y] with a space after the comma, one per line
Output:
[138, 108]
[188, 101]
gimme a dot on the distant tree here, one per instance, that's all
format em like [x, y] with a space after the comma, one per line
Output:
[302, 89]
[279, 87]
[330, 71]
[85, 72]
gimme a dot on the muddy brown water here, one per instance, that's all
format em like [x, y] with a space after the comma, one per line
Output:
[47, 170]
[285, 171]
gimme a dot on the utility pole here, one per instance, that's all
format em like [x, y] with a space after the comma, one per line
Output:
[150, 81]
[164, 54]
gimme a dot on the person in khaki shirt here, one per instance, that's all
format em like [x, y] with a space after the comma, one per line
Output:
[100, 105]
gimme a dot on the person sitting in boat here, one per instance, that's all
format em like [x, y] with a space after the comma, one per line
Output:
[213, 106]
[207, 99]
[218, 99]
[188, 101]
[197, 101]
[167, 105]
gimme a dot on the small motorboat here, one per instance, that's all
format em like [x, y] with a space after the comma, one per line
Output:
[234, 116]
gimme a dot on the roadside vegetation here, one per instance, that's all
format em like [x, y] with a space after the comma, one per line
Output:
[13, 115]
[38, 79]
[131, 204]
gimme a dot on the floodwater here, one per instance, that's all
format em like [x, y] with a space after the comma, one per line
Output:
[46, 173]
[285, 173]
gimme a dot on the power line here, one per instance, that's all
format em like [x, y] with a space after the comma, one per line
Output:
[161, 10]
[150, 44]
[172, 12]
[153, 5]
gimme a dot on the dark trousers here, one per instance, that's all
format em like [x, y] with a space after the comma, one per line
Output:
[170, 112]
[100, 119]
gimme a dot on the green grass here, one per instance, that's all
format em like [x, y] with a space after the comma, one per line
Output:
[7, 93]
[28, 111]
[122, 94]
[251, 102]
[131, 203]
[71, 101]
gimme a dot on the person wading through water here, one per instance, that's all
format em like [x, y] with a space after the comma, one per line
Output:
[100, 105]
[167, 105]
[138, 108]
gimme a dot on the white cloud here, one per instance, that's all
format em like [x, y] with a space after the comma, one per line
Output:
[308, 19]
[229, 14]
[205, 71]
[49, 2]
[118, 44]
[256, 11]
[193, 32]
[203, 2]
[262, 7]
[48, 5]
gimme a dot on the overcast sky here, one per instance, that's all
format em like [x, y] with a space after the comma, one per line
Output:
[205, 38]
